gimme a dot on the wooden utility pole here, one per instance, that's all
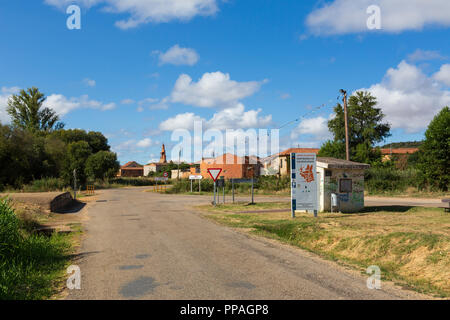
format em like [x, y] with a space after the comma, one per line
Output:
[347, 142]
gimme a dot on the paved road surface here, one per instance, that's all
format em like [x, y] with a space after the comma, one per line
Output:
[148, 246]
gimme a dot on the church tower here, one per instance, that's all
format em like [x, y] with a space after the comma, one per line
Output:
[163, 158]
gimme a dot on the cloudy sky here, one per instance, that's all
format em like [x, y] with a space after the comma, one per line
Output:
[139, 69]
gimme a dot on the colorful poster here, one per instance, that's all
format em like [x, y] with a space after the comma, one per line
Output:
[304, 184]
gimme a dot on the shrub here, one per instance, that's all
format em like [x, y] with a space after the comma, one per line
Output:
[29, 264]
[391, 180]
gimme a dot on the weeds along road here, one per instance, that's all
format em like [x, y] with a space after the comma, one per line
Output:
[141, 245]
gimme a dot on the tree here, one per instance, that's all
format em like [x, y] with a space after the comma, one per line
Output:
[77, 156]
[366, 128]
[434, 158]
[27, 112]
[102, 165]
[96, 140]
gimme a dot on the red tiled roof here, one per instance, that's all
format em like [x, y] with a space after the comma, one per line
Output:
[132, 165]
[298, 150]
[399, 151]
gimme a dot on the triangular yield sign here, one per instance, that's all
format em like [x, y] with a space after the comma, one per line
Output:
[214, 173]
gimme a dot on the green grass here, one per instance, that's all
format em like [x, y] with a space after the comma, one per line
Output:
[412, 247]
[31, 265]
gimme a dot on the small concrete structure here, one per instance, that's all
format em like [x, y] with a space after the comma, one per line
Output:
[184, 174]
[344, 178]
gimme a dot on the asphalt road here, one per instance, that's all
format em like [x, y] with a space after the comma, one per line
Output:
[141, 245]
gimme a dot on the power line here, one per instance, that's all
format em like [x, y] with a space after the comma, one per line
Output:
[315, 109]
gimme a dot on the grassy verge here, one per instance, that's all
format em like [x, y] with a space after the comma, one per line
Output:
[410, 193]
[31, 266]
[410, 245]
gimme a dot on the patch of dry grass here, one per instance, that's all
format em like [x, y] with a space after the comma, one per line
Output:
[410, 245]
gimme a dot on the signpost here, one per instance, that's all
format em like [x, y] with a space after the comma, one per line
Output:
[196, 177]
[304, 183]
[215, 173]
[238, 181]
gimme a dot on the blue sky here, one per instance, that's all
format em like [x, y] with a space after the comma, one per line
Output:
[236, 63]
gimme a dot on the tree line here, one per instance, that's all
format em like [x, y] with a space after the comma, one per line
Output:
[36, 146]
[367, 128]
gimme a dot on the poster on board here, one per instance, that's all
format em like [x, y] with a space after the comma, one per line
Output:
[304, 182]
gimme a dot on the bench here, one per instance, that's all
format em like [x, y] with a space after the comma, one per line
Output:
[447, 206]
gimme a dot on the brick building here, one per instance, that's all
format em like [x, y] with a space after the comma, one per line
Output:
[132, 169]
[233, 167]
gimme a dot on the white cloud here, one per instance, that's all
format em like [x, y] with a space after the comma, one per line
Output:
[350, 16]
[212, 90]
[65, 3]
[230, 118]
[57, 102]
[443, 75]
[145, 143]
[127, 101]
[180, 121]
[425, 55]
[238, 118]
[5, 94]
[409, 98]
[316, 129]
[89, 82]
[148, 11]
[178, 56]
[63, 105]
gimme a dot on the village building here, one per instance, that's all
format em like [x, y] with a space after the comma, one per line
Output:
[233, 167]
[156, 166]
[400, 156]
[131, 169]
[278, 164]
[343, 178]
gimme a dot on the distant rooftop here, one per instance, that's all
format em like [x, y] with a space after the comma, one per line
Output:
[333, 163]
[132, 165]
[388, 151]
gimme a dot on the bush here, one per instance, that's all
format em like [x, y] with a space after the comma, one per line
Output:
[102, 165]
[434, 158]
[29, 264]
[262, 184]
[45, 185]
[391, 180]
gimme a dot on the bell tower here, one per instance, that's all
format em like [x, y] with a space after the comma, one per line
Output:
[163, 158]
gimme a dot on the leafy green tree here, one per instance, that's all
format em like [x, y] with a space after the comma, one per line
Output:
[96, 140]
[21, 156]
[102, 165]
[27, 112]
[77, 155]
[366, 128]
[434, 161]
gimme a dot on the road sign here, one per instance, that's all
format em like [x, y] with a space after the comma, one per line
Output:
[304, 182]
[166, 174]
[161, 179]
[214, 173]
[195, 177]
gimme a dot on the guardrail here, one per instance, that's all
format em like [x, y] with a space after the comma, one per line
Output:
[90, 190]
[160, 188]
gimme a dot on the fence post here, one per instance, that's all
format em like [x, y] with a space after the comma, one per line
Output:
[232, 187]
